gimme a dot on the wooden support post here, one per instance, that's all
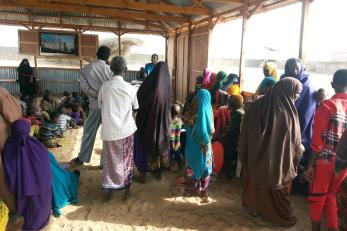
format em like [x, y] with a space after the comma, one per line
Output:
[189, 63]
[243, 38]
[119, 45]
[81, 64]
[166, 47]
[119, 40]
[35, 61]
[303, 30]
[174, 71]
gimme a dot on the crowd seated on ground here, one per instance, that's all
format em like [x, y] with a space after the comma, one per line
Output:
[282, 137]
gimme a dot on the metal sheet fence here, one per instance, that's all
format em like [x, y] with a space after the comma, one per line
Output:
[53, 79]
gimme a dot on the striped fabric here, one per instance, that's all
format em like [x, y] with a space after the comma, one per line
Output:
[176, 126]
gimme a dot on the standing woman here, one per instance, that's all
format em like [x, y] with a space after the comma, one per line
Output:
[198, 145]
[153, 121]
[270, 154]
[306, 106]
[26, 78]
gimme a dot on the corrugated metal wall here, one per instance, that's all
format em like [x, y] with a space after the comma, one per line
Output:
[53, 79]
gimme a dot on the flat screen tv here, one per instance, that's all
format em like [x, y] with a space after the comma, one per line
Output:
[58, 43]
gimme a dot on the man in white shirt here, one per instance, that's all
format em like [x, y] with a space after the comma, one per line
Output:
[92, 77]
[117, 100]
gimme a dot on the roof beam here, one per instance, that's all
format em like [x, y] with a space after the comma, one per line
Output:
[139, 6]
[85, 28]
[89, 10]
[225, 1]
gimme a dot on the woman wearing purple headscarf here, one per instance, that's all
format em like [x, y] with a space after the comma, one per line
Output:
[306, 106]
[206, 78]
[29, 176]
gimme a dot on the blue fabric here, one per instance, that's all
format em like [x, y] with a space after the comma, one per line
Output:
[200, 134]
[266, 82]
[149, 68]
[306, 105]
[65, 186]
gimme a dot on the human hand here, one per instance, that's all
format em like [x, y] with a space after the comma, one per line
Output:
[309, 176]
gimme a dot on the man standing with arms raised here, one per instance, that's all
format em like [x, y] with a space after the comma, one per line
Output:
[92, 77]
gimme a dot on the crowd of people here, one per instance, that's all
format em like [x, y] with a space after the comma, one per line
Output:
[286, 139]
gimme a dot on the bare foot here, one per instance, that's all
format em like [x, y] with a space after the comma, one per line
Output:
[128, 195]
[108, 196]
[15, 223]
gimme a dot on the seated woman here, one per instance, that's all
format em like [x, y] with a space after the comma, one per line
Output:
[198, 146]
[64, 187]
[270, 149]
[29, 177]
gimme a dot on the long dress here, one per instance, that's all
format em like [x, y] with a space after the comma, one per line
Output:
[29, 176]
[64, 187]
[153, 120]
[269, 154]
[199, 164]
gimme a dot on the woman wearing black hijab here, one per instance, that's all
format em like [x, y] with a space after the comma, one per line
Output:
[26, 78]
[153, 122]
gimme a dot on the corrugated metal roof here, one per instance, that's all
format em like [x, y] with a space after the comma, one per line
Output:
[52, 16]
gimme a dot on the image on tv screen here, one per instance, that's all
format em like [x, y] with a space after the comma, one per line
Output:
[64, 44]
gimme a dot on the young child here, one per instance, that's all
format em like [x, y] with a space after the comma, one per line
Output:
[48, 103]
[231, 138]
[64, 121]
[66, 99]
[175, 145]
[49, 131]
[33, 121]
[76, 115]
[330, 121]
[76, 99]
[320, 95]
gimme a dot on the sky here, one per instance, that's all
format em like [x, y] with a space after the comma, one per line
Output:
[273, 34]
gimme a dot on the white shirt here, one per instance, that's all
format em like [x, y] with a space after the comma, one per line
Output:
[117, 99]
[92, 77]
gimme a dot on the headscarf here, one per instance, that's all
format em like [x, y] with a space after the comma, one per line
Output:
[272, 70]
[234, 90]
[231, 79]
[154, 115]
[220, 79]
[206, 77]
[200, 134]
[26, 162]
[213, 79]
[306, 105]
[270, 152]
[24, 68]
[264, 84]
[341, 153]
[198, 82]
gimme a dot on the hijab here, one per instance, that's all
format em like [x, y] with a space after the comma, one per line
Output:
[154, 115]
[26, 162]
[270, 152]
[206, 78]
[24, 67]
[231, 79]
[220, 79]
[200, 134]
[306, 105]
[271, 68]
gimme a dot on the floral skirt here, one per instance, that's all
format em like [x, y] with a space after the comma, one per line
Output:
[118, 163]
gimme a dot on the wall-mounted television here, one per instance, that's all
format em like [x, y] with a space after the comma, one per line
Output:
[58, 43]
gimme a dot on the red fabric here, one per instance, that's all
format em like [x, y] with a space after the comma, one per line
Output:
[330, 121]
[323, 192]
[218, 156]
[222, 117]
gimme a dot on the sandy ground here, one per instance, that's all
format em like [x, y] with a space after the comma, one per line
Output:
[157, 205]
